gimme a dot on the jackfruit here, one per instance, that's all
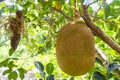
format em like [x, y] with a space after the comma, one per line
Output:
[75, 50]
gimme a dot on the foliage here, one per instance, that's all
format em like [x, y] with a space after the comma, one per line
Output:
[37, 44]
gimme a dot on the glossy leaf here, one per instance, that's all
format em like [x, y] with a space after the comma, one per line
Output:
[1, 0]
[99, 76]
[50, 77]
[49, 68]
[112, 66]
[99, 61]
[40, 67]
[109, 75]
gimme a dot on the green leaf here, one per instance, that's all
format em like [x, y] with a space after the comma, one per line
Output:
[112, 66]
[99, 76]
[27, 5]
[12, 8]
[22, 72]
[40, 67]
[7, 71]
[2, 10]
[72, 78]
[11, 64]
[50, 77]
[40, 1]
[45, 4]
[5, 62]
[109, 75]
[40, 49]
[106, 8]
[13, 75]
[99, 61]
[50, 68]
[15, 58]
[1, 0]
[11, 51]
[82, 1]
[2, 4]
[48, 44]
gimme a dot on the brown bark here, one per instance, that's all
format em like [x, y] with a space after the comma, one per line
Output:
[99, 33]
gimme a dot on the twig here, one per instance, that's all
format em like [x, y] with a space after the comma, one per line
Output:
[98, 10]
[62, 13]
[98, 31]
[92, 2]
[105, 20]
[102, 56]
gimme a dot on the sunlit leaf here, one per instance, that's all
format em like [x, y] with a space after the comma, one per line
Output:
[22, 72]
[58, 5]
[11, 64]
[106, 8]
[2, 4]
[45, 4]
[7, 71]
[13, 75]
[11, 51]
[5, 62]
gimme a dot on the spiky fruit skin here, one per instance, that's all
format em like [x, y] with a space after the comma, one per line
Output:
[75, 50]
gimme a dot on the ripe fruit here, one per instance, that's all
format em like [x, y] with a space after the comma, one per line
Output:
[75, 49]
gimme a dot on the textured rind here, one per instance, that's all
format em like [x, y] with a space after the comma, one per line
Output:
[75, 49]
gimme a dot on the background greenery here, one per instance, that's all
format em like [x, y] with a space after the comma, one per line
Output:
[36, 49]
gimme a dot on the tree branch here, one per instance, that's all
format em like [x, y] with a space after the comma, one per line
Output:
[98, 10]
[62, 13]
[92, 2]
[105, 20]
[98, 31]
